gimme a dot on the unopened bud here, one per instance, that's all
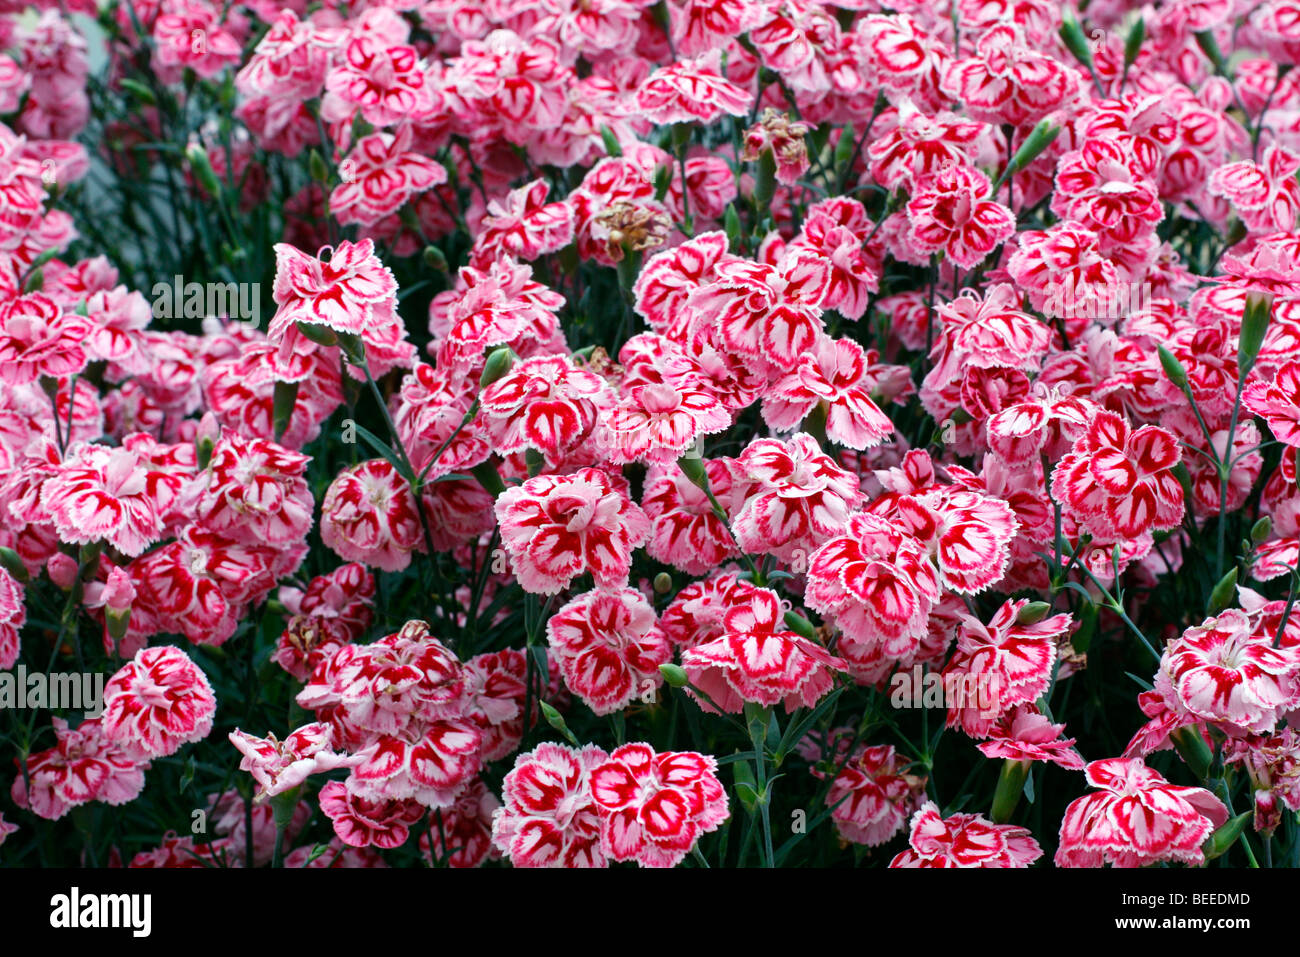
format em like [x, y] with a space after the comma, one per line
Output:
[321, 335]
[284, 397]
[800, 625]
[1173, 368]
[316, 166]
[556, 721]
[675, 675]
[1260, 531]
[1133, 42]
[1038, 140]
[1254, 326]
[498, 364]
[1033, 612]
[202, 167]
[1075, 41]
[435, 259]
[11, 563]
[1223, 592]
[692, 467]
[1221, 841]
[62, 569]
[206, 438]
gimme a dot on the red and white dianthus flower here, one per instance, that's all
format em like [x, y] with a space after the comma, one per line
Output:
[549, 817]
[157, 702]
[1136, 818]
[965, 840]
[655, 806]
[555, 527]
[756, 659]
[609, 647]
[369, 515]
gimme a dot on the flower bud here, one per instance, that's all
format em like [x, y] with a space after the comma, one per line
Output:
[1218, 843]
[1074, 40]
[202, 168]
[119, 590]
[11, 563]
[1011, 784]
[1033, 613]
[612, 146]
[1038, 140]
[354, 348]
[435, 259]
[1191, 747]
[1260, 531]
[663, 583]
[206, 437]
[1268, 813]
[675, 675]
[1210, 47]
[1173, 368]
[1133, 42]
[284, 397]
[1223, 592]
[138, 90]
[321, 335]
[731, 224]
[556, 721]
[800, 625]
[499, 362]
[62, 569]
[1254, 325]
[316, 166]
[692, 467]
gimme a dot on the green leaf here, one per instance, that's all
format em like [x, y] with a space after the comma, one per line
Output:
[1223, 593]
[384, 449]
[1221, 841]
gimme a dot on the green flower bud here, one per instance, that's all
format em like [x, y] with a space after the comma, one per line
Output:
[498, 364]
[1011, 784]
[1191, 747]
[612, 146]
[1173, 368]
[1038, 140]
[1223, 593]
[11, 563]
[320, 171]
[800, 625]
[692, 467]
[1260, 531]
[284, 397]
[1075, 41]
[675, 675]
[556, 721]
[1133, 42]
[202, 168]
[1033, 613]
[321, 335]
[435, 259]
[1254, 325]
[1218, 843]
